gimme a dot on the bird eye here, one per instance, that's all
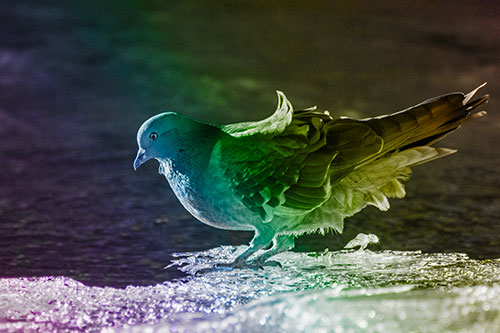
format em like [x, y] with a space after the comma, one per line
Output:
[153, 136]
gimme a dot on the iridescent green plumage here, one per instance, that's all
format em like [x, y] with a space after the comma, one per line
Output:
[303, 171]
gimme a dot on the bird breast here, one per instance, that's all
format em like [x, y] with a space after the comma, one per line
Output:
[207, 198]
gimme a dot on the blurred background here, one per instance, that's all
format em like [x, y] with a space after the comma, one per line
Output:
[77, 80]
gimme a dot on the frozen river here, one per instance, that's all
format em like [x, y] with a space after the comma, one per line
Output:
[343, 291]
[84, 240]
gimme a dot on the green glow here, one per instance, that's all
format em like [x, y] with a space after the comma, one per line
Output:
[296, 172]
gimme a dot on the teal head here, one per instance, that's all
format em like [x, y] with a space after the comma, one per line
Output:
[171, 136]
[156, 137]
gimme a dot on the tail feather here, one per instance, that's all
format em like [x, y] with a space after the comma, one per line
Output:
[428, 122]
[469, 96]
[375, 183]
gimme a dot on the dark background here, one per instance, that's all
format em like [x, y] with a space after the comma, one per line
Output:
[77, 81]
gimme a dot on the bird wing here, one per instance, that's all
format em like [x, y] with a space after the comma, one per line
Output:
[290, 163]
[274, 124]
[283, 168]
[407, 136]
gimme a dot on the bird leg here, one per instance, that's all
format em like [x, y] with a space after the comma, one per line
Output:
[281, 243]
[262, 238]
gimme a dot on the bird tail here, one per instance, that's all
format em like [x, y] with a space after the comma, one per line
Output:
[428, 122]
[407, 139]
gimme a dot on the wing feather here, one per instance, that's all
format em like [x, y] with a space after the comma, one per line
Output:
[286, 156]
[306, 163]
[274, 124]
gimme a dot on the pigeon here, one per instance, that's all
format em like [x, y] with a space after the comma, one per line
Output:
[296, 172]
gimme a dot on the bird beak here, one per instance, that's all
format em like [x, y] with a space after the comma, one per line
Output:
[140, 159]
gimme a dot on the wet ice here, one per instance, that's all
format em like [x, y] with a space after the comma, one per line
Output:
[335, 290]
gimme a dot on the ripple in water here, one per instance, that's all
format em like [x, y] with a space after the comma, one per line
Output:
[341, 291]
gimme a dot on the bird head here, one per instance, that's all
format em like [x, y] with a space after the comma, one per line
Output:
[156, 137]
[178, 138]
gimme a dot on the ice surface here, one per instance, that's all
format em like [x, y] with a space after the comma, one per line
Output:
[332, 291]
[397, 309]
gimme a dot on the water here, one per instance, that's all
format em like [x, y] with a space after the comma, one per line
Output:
[84, 240]
[341, 291]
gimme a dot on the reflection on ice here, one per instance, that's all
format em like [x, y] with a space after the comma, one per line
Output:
[343, 290]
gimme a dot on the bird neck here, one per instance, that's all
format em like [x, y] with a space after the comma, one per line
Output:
[192, 150]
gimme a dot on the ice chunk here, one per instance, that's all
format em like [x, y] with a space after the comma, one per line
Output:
[362, 240]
